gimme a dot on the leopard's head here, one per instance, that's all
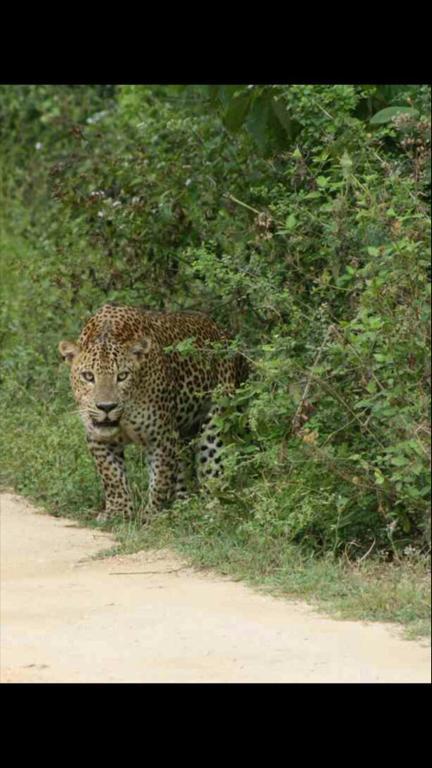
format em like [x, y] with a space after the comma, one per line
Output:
[104, 376]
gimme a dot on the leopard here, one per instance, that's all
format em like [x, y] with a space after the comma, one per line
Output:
[133, 383]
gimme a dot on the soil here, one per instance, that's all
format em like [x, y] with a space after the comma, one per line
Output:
[148, 617]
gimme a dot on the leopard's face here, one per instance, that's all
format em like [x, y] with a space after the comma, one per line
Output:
[104, 380]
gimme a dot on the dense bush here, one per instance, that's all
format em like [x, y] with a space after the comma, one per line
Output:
[298, 217]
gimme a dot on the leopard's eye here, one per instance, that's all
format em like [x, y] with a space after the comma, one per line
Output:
[87, 375]
[123, 375]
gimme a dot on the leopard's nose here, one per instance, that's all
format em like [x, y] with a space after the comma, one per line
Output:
[107, 407]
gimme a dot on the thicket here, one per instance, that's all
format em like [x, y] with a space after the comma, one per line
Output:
[298, 217]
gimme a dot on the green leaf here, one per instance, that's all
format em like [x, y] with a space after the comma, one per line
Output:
[322, 181]
[257, 122]
[226, 93]
[214, 93]
[399, 461]
[387, 114]
[406, 526]
[291, 127]
[379, 477]
[236, 112]
[291, 222]
[346, 164]
[269, 123]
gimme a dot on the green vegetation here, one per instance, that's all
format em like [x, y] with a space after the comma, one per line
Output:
[298, 217]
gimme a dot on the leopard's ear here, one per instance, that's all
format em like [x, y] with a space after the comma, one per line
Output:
[68, 351]
[141, 348]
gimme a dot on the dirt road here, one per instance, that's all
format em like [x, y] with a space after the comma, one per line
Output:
[148, 618]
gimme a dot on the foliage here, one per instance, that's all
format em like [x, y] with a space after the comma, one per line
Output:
[295, 215]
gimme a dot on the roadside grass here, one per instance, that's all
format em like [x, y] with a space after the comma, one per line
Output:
[371, 590]
[45, 459]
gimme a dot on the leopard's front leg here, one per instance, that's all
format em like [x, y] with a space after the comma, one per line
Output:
[163, 460]
[110, 463]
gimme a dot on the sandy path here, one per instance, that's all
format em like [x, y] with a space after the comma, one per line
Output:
[65, 618]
